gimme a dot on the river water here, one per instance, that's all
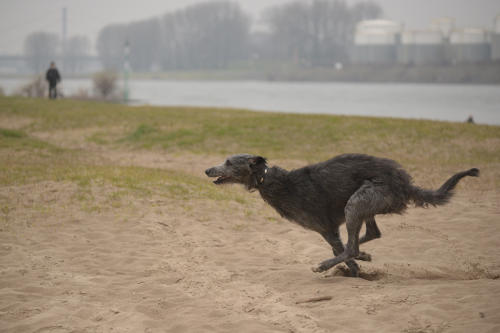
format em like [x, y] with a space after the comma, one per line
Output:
[420, 101]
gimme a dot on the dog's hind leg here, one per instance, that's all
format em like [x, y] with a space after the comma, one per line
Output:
[366, 202]
[333, 238]
[372, 232]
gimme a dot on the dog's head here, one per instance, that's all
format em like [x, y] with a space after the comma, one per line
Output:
[239, 169]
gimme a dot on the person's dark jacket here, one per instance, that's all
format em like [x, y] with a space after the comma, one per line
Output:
[53, 76]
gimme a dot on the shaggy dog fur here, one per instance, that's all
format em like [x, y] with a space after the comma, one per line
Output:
[350, 188]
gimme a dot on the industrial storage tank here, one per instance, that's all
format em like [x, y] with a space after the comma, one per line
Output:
[469, 45]
[421, 47]
[375, 42]
[406, 49]
[429, 47]
[445, 25]
[495, 40]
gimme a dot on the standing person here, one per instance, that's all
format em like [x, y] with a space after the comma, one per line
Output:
[53, 78]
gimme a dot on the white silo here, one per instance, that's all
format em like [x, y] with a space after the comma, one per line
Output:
[429, 48]
[495, 40]
[406, 48]
[419, 47]
[469, 45]
[375, 42]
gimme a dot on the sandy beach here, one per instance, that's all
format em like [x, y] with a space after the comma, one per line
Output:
[96, 257]
[163, 265]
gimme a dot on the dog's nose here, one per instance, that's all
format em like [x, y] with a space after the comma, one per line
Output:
[207, 172]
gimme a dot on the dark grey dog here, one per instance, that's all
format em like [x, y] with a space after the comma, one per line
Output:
[350, 188]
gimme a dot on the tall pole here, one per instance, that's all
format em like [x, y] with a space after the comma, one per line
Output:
[64, 31]
[126, 72]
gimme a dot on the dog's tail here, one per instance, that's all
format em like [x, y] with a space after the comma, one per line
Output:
[422, 197]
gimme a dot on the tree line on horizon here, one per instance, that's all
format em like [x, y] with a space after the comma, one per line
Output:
[217, 35]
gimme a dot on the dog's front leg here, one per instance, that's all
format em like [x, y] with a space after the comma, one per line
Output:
[364, 203]
[353, 224]
[333, 238]
[327, 264]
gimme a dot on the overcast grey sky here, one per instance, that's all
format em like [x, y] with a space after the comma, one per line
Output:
[18, 18]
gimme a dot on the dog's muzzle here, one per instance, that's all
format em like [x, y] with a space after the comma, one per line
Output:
[214, 172]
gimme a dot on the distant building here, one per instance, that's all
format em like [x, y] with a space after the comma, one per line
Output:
[12, 64]
[386, 42]
[445, 25]
[406, 49]
[495, 40]
[469, 45]
[375, 42]
[421, 47]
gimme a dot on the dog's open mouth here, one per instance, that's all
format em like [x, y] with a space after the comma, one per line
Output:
[221, 180]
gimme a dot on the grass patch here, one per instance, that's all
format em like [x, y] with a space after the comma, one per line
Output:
[141, 133]
[139, 181]
[9, 133]
[98, 138]
[419, 145]
[19, 141]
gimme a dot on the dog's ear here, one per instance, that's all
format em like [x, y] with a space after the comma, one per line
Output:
[256, 161]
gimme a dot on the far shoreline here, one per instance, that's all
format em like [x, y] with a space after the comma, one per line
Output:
[475, 74]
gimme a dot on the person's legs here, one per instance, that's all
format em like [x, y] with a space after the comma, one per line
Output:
[52, 92]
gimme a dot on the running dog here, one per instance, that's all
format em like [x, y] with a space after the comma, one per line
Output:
[350, 188]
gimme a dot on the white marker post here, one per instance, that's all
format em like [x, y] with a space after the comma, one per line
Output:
[126, 72]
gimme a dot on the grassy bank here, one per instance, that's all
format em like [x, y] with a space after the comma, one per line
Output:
[34, 134]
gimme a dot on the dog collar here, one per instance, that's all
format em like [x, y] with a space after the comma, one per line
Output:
[262, 178]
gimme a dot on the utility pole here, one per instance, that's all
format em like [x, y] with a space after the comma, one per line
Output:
[64, 31]
[126, 72]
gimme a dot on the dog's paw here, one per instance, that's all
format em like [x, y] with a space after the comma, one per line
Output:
[364, 256]
[353, 273]
[319, 269]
